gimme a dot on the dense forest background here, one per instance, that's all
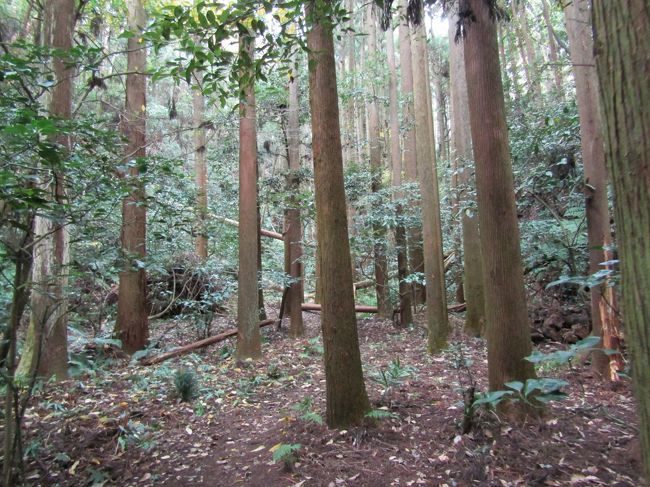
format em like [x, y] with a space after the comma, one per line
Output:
[425, 182]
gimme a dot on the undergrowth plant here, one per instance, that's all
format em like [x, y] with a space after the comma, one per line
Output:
[393, 375]
[305, 407]
[286, 453]
[185, 384]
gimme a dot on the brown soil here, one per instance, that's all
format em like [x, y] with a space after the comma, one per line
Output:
[125, 426]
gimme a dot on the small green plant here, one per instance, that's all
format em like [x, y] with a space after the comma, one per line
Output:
[313, 347]
[286, 453]
[380, 414]
[533, 392]
[137, 434]
[306, 408]
[560, 357]
[392, 376]
[185, 384]
[273, 371]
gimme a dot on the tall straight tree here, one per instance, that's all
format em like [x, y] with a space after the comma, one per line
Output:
[132, 325]
[249, 342]
[622, 32]
[347, 401]
[434, 268]
[46, 346]
[379, 234]
[553, 57]
[294, 224]
[405, 297]
[508, 331]
[603, 300]
[416, 257]
[200, 168]
[461, 153]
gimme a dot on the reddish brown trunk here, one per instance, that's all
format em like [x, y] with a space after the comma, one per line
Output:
[248, 336]
[434, 269]
[623, 60]
[378, 232]
[416, 257]
[508, 331]
[405, 301]
[461, 150]
[294, 228]
[603, 318]
[131, 326]
[347, 401]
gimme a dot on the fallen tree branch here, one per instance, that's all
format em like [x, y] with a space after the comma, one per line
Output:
[265, 233]
[456, 308]
[357, 308]
[195, 345]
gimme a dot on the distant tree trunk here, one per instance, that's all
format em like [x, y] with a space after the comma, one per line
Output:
[378, 232]
[132, 326]
[461, 151]
[434, 268]
[347, 401]
[200, 168]
[603, 300]
[416, 257]
[294, 228]
[405, 298]
[623, 61]
[513, 68]
[526, 43]
[248, 311]
[260, 289]
[508, 331]
[354, 152]
[552, 50]
[440, 72]
[46, 346]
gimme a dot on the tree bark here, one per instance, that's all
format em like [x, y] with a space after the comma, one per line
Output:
[200, 168]
[249, 343]
[461, 153]
[552, 50]
[405, 297]
[132, 326]
[294, 229]
[46, 346]
[416, 257]
[378, 232]
[623, 61]
[347, 401]
[434, 269]
[508, 331]
[603, 317]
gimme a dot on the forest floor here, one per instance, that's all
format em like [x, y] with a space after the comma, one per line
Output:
[124, 425]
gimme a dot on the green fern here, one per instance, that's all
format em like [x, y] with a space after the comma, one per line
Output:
[286, 453]
[380, 414]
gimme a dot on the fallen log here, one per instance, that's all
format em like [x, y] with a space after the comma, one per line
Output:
[357, 308]
[265, 233]
[200, 344]
[456, 308]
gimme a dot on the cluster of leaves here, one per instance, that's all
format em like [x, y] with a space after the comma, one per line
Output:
[392, 376]
[537, 392]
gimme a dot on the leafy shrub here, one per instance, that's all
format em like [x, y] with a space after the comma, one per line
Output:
[185, 384]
